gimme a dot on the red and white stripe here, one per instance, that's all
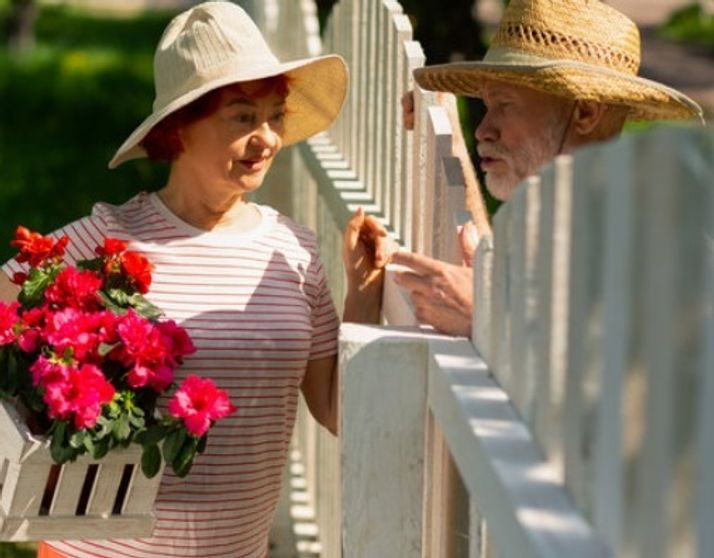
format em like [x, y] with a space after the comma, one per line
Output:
[257, 307]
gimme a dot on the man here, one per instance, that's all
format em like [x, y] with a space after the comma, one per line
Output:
[558, 75]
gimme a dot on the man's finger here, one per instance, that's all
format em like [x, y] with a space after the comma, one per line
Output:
[413, 282]
[420, 264]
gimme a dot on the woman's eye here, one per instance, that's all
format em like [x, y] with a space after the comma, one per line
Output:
[245, 118]
[278, 116]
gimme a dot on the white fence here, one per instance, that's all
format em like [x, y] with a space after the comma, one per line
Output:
[575, 424]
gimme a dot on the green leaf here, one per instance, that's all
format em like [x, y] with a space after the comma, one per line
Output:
[144, 308]
[76, 440]
[101, 447]
[59, 446]
[201, 447]
[33, 289]
[122, 428]
[152, 435]
[184, 460]
[136, 421]
[105, 348]
[150, 460]
[106, 426]
[173, 443]
[89, 444]
[95, 264]
[12, 372]
[111, 304]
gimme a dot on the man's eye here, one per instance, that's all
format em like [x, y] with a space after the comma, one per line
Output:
[278, 116]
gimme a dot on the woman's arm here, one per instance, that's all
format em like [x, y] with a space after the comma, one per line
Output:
[364, 254]
[8, 289]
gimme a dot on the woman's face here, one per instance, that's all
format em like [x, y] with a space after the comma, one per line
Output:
[234, 147]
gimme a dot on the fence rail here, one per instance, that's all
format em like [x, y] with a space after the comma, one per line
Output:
[578, 420]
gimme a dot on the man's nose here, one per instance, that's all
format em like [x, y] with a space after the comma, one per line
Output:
[486, 130]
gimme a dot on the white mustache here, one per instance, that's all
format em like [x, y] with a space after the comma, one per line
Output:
[492, 151]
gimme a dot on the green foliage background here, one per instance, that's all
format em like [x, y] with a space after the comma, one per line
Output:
[66, 107]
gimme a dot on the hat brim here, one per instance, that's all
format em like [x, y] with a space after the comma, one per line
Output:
[645, 99]
[317, 90]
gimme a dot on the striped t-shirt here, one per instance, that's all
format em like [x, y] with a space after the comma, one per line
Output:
[257, 307]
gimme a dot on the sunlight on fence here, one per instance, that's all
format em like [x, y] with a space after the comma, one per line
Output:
[574, 422]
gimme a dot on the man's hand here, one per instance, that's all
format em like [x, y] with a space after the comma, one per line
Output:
[442, 293]
[408, 110]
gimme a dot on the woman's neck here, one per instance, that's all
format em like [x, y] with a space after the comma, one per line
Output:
[208, 208]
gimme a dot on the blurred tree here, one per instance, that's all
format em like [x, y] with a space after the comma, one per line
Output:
[18, 33]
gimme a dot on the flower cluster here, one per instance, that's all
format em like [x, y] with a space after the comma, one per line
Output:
[89, 356]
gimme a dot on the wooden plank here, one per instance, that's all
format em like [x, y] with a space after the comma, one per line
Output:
[482, 318]
[21, 494]
[618, 283]
[105, 489]
[516, 379]
[398, 180]
[69, 487]
[584, 359]
[50, 529]
[390, 101]
[382, 441]
[500, 293]
[438, 146]
[560, 305]
[527, 510]
[705, 442]
[453, 214]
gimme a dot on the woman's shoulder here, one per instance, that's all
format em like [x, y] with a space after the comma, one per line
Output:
[118, 219]
[286, 226]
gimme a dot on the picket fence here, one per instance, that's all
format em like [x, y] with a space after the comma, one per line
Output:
[578, 419]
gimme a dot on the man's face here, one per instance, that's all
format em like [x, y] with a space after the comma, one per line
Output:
[522, 130]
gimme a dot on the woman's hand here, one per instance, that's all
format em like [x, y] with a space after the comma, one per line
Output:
[366, 249]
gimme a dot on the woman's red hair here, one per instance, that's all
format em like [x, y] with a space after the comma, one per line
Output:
[163, 142]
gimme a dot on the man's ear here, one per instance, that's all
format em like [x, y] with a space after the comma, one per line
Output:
[586, 117]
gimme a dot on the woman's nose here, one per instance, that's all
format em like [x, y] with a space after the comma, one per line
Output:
[265, 136]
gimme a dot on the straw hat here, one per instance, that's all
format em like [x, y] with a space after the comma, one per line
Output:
[215, 44]
[578, 49]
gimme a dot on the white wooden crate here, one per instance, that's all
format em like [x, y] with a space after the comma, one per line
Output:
[87, 499]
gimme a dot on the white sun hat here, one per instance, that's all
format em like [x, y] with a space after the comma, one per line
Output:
[578, 49]
[215, 44]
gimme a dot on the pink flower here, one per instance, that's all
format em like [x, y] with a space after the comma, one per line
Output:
[74, 289]
[177, 339]
[146, 351]
[157, 379]
[198, 402]
[32, 325]
[45, 372]
[76, 330]
[80, 394]
[8, 319]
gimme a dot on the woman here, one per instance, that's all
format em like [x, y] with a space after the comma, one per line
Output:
[244, 281]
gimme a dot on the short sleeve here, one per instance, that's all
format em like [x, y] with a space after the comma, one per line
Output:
[324, 319]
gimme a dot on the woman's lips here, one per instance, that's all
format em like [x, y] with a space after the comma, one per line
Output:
[253, 165]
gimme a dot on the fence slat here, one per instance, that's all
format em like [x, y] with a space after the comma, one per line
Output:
[526, 508]
[387, 444]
